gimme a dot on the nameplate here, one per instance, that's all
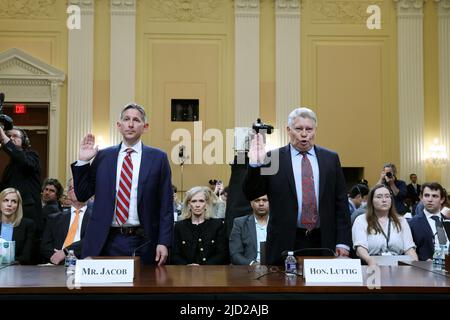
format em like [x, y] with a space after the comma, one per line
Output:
[332, 270]
[104, 271]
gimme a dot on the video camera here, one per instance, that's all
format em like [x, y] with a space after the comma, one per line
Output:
[243, 135]
[5, 120]
[259, 125]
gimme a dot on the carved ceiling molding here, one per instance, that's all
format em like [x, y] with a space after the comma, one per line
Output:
[28, 9]
[341, 12]
[187, 10]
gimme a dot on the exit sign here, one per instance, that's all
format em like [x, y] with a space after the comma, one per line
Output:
[20, 109]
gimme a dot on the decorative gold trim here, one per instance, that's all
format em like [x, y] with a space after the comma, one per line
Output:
[186, 10]
[28, 9]
[341, 12]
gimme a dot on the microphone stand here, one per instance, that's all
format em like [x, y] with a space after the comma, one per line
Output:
[182, 159]
[181, 189]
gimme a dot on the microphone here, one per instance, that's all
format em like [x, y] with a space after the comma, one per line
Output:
[321, 250]
[146, 243]
[181, 152]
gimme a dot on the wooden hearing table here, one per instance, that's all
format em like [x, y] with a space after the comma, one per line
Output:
[226, 282]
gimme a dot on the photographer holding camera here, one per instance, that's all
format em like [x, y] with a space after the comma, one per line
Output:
[398, 188]
[23, 172]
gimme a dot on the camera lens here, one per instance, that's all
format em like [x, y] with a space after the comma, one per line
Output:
[389, 174]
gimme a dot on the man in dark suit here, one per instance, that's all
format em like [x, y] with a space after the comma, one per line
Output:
[23, 173]
[306, 190]
[413, 191]
[52, 191]
[65, 231]
[424, 225]
[133, 207]
[248, 232]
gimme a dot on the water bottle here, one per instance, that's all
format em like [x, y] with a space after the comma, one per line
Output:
[290, 264]
[439, 258]
[70, 262]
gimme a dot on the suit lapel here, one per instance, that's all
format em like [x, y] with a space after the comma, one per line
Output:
[144, 170]
[64, 226]
[426, 226]
[322, 170]
[252, 228]
[286, 162]
[113, 164]
[85, 220]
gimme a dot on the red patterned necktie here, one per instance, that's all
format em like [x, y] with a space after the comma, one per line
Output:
[124, 191]
[309, 205]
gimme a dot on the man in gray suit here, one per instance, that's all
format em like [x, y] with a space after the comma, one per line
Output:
[248, 232]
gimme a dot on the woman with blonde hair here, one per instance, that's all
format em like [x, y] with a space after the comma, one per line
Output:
[14, 227]
[198, 237]
[381, 231]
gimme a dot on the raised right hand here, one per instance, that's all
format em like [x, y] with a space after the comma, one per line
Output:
[257, 151]
[88, 149]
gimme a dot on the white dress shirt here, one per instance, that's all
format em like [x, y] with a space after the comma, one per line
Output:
[136, 156]
[432, 224]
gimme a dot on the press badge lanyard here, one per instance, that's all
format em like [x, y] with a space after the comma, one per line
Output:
[384, 234]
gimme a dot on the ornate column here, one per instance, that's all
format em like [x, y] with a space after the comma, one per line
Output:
[247, 80]
[444, 81]
[54, 121]
[287, 62]
[80, 80]
[410, 86]
[122, 68]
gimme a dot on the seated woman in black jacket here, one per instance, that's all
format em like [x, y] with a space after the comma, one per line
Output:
[14, 227]
[198, 238]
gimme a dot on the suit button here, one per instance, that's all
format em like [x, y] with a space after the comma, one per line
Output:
[204, 259]
[183, 242]
[201, 249]
[199, 240]
[212, 241]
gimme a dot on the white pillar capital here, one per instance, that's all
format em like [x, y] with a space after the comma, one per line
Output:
[123, 7]
[287, 6]
[86, 6]
[410, 8]
[246, 8]
[443, 8]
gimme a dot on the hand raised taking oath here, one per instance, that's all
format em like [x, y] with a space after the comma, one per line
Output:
[257, 151]
[88, 149]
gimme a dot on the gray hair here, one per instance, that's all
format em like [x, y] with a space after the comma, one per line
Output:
[135, 107]
[302, 112]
